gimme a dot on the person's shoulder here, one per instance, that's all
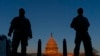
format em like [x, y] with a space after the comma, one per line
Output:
[27, 19]
[75, 18]
[15, 18]
[84, 17]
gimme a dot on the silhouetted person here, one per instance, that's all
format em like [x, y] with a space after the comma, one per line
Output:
[21, 28]
[80, 25]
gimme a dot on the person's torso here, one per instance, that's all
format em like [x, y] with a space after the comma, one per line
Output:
[81, 24]
[21, 25]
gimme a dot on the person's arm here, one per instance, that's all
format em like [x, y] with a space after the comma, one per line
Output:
[72, 24]
[30, 35]
[30, 31]
[11, 28]
[87, 22]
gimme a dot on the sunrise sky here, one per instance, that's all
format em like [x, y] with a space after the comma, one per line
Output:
[54, 16]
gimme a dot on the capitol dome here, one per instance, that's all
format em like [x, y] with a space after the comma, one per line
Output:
[51, 46]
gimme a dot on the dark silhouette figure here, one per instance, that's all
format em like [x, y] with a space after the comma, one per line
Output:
[64, 48]
[39, 53]
[81, 24]
[21, 28]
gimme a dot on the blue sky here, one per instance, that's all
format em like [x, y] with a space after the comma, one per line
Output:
[54, 16]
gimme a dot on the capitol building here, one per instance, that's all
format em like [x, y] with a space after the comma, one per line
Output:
[51, 48]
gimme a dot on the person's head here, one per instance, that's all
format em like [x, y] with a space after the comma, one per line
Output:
[80, 11]
[21, 12]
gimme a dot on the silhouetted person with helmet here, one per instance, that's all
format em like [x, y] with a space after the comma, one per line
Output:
[21, 29]
[81, 25]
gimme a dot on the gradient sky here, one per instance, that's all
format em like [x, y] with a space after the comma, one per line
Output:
[54, 16]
